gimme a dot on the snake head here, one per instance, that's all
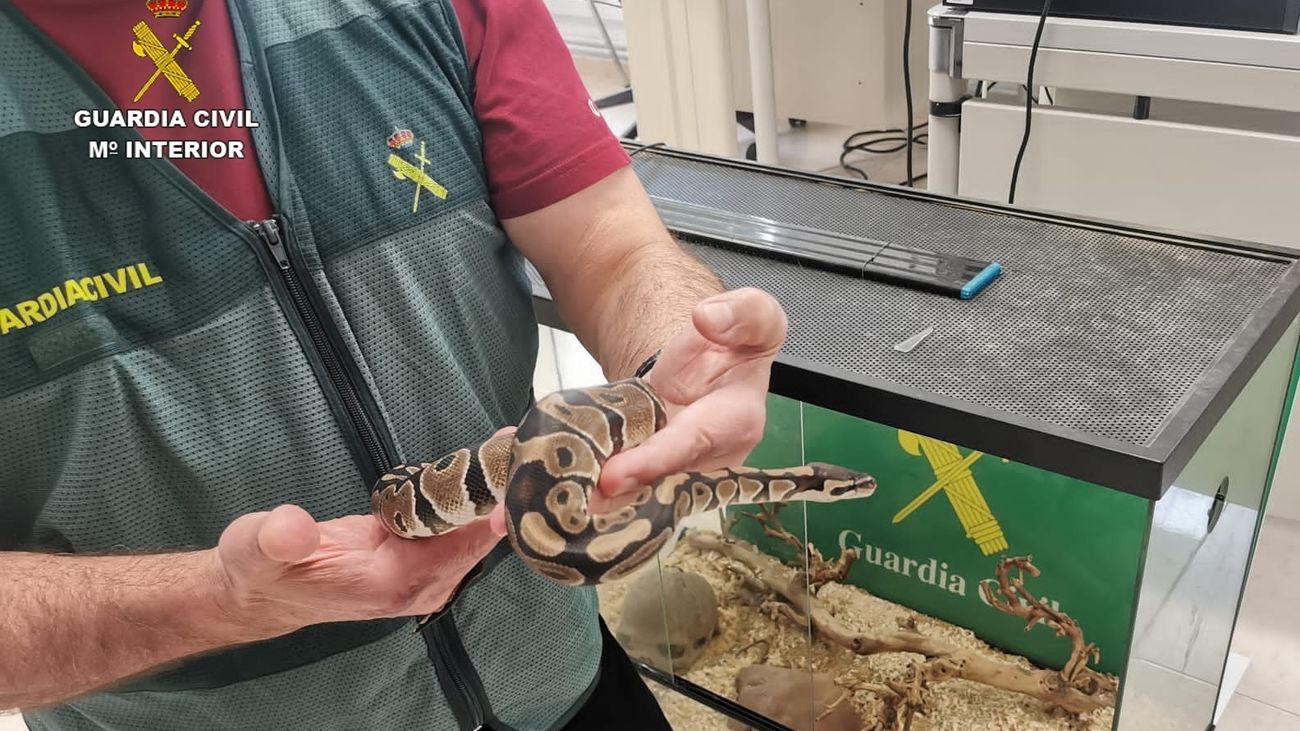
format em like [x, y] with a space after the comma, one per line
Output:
[843, 483]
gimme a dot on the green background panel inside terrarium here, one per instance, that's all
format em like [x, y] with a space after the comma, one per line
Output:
[942, 518]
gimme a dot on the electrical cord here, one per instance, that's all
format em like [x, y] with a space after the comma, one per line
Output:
[896, 139]
[980, 88]
[907, 88]
[645, 147]
[1029, 101]
[873, 144]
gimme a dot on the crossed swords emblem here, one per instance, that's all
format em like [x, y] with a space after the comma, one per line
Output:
[404, 170]
[146, 44]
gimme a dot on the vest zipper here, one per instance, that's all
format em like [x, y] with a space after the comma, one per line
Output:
[467, 698]
[269, 232]
[465, 703]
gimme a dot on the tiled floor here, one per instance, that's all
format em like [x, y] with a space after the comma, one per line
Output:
[1268, 698]
[1247, 714]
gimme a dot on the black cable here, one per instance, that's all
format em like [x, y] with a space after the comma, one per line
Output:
[891, 131]
[853, 168]
[893, 136]
[873, 146]
[1046, 91]
[643, 148]
[1029, 101]
[907, 87]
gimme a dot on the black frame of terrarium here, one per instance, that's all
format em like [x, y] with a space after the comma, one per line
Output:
[1145, 470]
[1145, 467]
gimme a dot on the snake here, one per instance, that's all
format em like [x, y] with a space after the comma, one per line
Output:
[545, 474]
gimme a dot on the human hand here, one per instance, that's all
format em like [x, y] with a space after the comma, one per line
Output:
[283, 570]
[713, 377]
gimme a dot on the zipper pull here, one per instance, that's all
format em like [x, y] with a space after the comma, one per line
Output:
[269, 231]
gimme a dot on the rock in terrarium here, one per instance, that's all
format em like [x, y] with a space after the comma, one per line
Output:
[692, 618]
[782, 695]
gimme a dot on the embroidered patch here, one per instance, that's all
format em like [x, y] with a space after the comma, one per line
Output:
[403, 169]
[68, 294]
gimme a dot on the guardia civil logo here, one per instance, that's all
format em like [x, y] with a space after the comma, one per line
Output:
[147, 45]
[953, 477]
[401, 141]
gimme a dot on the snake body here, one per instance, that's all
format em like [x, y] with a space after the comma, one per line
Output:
[546, 471]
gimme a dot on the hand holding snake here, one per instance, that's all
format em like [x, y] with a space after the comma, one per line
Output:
[713, 377]
[546, 473]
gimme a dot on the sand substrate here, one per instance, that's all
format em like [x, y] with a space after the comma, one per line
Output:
[748, 636]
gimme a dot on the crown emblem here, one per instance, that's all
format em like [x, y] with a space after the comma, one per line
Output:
[401, 139]
[167, 8]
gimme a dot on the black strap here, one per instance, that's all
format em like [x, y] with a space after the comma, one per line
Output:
[947, 109]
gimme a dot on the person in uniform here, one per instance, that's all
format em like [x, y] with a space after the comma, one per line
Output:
[211, 351]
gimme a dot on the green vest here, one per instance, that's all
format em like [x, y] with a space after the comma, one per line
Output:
[168, 368]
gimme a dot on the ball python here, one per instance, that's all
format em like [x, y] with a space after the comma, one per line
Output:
[546, 471]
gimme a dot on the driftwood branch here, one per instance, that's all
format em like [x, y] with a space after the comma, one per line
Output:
[1014, 599]
[819, 571]
[729, 520]
[944, 661]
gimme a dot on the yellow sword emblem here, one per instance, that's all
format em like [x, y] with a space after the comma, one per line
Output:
[164, 61]
[403, 170]
[953, 477]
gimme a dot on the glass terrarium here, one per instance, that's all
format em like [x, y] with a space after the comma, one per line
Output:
[1072, 468]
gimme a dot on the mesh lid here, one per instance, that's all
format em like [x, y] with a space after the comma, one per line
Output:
[1094, 332]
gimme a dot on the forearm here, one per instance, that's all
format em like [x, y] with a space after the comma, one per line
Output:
[70, 625]
[645, 301]
[619, 280]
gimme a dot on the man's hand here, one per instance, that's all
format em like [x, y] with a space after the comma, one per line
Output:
[271, 573]
[285, 571]
[713, 376]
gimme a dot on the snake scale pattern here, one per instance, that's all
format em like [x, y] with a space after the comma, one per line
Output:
[546, 471]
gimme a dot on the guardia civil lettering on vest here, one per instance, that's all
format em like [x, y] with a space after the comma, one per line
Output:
[151, 118]
[90, 288]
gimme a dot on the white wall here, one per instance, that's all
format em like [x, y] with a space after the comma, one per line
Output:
[573, 18]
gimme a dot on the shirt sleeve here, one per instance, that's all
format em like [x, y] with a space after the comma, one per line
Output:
[543, 138]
